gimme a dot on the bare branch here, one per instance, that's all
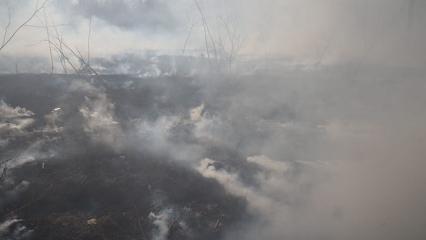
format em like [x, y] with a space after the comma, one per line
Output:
[79, 56]
[234, 39]
[203, 19]
[44, 26]
[48, 38]
[88, 40]
[60, 40]
[9, 21]
[187, 38]
[207, 33]
[8, 39]
[64, 56]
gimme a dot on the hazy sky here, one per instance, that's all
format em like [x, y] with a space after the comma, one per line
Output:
[381, 31]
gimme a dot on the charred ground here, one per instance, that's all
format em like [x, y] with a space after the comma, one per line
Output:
[90, 190]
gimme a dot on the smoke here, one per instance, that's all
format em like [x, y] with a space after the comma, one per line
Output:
[98, 114]
[332, 155]
[320, 129]
[13, 229]
[149, 15]
[99, 120]
[54, 120]
[233, 185]
[326, 32]
[8, 112]
[268, 164]
[14, 121]
[324, 156]
[33, 152]
[162, 221]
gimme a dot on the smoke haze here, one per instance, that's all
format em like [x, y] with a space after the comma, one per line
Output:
[213, 120]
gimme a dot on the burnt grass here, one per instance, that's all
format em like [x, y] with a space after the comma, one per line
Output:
[118, 190]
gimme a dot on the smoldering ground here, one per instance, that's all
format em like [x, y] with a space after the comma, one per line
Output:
[250, 157]
[93, 160]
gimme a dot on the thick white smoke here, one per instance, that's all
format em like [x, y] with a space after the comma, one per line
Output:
[14, 120]
[162, 222]
[98, 115]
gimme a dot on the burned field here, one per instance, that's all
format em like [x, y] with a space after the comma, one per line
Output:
[65, 177]
[120, 193]
[296, 154]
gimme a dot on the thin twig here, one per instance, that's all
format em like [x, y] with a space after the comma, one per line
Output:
[22, 25]
[88, 40]
[61, 57]
[79, 57]
[61, 52]
[207, 32]
[48, 38]
[9, 21]
[204, 28]
[187, 38]
[39, 26]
